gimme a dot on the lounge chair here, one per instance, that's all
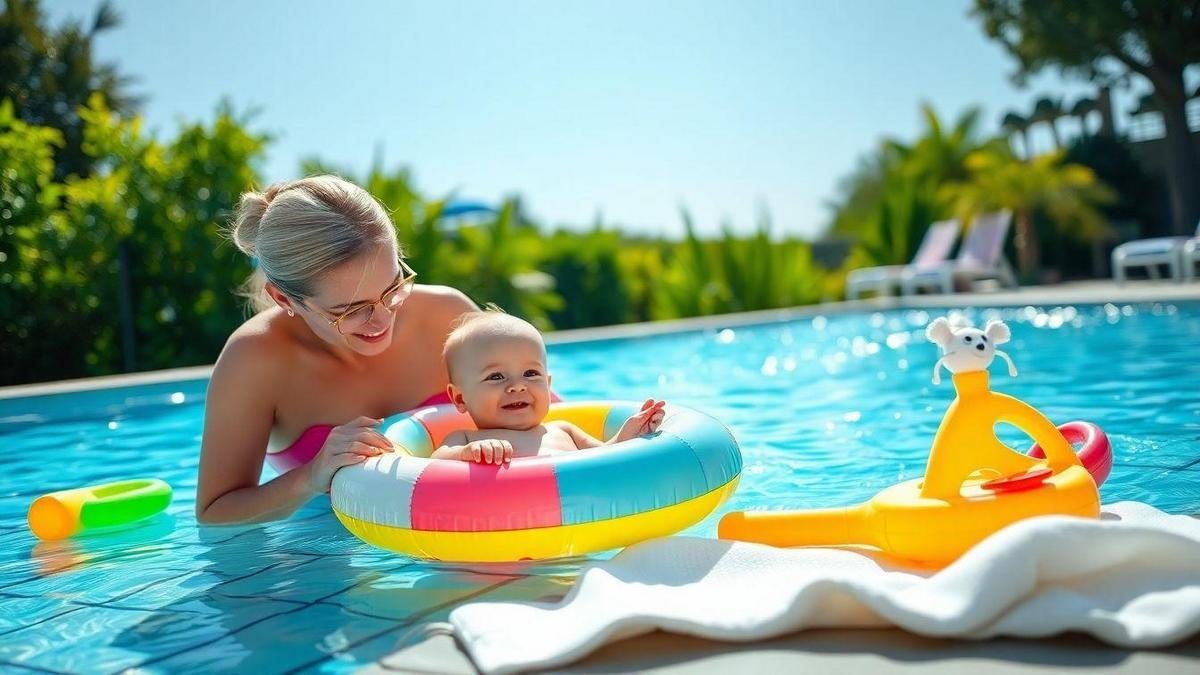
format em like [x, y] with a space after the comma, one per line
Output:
[1191, 256]
[934, 249]
[1150, 253]
[981, 256]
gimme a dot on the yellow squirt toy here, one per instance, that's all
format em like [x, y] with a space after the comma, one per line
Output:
[973, 486]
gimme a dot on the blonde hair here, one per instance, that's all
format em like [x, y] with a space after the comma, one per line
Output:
[491, 322]
[299, 230]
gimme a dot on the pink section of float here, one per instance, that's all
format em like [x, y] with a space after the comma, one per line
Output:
[471, 497]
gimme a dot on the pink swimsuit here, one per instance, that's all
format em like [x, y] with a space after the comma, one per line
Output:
[310, 442]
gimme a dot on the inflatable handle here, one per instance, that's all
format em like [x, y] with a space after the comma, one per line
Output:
[814, 527]
[61, 514]
[1095, 453]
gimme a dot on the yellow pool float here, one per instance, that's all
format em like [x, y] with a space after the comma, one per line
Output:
[973, 486]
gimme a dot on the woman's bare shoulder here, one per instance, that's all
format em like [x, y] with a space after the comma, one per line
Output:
[257, 347]
[440, 305]
[447, 297]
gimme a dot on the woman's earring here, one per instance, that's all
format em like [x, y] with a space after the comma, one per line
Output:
[291, 313]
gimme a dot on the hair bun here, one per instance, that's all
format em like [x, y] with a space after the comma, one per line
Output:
[248, 219]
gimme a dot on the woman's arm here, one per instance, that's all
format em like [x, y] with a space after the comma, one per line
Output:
[239, 413]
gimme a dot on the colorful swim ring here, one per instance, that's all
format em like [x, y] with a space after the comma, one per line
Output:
[538, 507]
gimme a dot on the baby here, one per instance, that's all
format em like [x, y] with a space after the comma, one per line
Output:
[498, 376]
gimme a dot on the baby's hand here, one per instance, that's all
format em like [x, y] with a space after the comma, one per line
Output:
[645, 421]
[490, 451]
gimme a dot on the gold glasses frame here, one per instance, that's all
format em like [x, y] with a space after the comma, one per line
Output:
[405, 281]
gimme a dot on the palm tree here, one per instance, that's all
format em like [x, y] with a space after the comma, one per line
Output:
[1014, 123]
[895, 193]
[899, 225]
[938, 155]
[1068, 194]
[1082, 108]
[1048, 110]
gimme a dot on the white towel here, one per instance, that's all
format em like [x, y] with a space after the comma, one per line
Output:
[1131, 578]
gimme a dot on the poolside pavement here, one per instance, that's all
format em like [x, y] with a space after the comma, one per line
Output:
[829, 652]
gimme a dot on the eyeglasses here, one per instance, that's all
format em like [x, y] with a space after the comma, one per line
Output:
[354, 318]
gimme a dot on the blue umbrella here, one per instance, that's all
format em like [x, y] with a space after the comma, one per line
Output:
[463, 208]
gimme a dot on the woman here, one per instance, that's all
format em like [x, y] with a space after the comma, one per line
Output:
[343, 338]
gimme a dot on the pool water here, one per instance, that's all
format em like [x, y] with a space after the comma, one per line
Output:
[828, 411]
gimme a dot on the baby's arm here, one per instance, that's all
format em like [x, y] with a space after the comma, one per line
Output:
[645, 421]
[452, 446]
[487, 451]
[582, 439]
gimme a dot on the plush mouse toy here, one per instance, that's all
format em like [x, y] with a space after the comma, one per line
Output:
[966, 348]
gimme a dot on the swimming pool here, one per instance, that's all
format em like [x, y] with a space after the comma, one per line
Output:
[828, 409]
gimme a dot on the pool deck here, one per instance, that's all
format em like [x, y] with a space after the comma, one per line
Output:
[830, 652]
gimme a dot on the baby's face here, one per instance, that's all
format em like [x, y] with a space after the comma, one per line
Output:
[501, 381]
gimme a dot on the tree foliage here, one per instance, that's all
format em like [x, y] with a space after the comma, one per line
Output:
[952, 170]
[1108, 40]
[50, 73]
[153, 209]
[895, 195]
[163, 203]
[1068, 194]
[735, 273]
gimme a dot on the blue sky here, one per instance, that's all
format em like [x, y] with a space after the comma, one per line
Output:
[629, 109]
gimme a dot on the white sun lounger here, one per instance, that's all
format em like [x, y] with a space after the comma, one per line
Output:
[980, 257]
[1191, 256]
[1179, 254]
[935, 249]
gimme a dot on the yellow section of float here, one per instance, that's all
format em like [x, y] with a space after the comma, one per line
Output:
[540, 543]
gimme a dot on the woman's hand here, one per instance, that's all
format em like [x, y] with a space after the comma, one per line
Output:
[645, 421]
[347, 444]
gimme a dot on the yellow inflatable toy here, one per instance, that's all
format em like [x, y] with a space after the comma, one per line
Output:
[974, 485]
